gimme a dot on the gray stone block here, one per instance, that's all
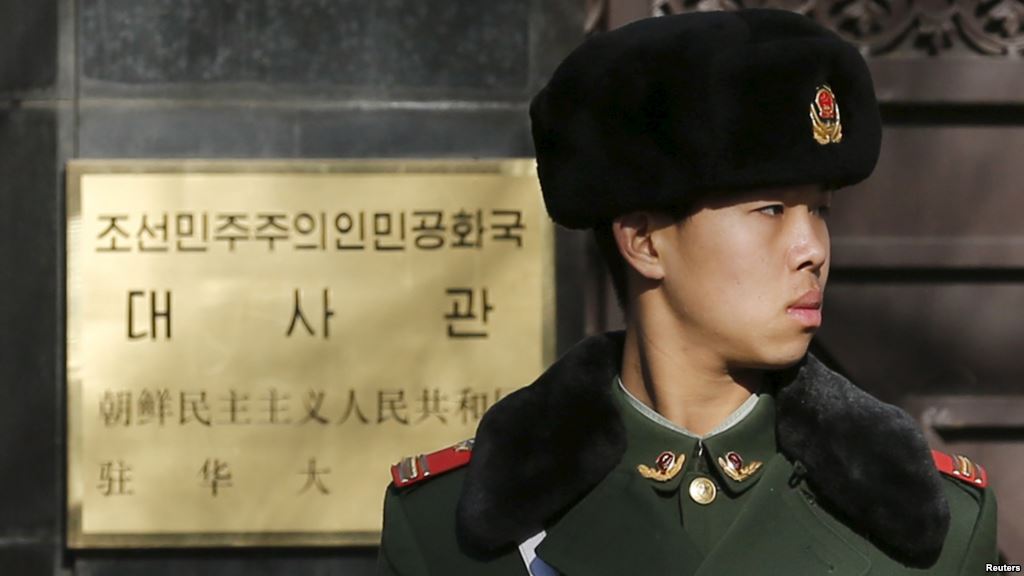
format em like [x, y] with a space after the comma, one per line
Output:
[556, 28]
[386, 43]
[17, 559]
[28, 46]
[455, 43]
[199, 41]
[465, 133]
[265, 132]
[29, 324]
[185, 132]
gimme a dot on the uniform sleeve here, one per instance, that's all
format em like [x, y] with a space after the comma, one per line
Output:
[982, 548]
[399, 553]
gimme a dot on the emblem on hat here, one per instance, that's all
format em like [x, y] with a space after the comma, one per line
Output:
[826, 124]
[734, 467]
[666, 466]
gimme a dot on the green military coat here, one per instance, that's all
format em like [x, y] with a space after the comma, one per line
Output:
[572, 476]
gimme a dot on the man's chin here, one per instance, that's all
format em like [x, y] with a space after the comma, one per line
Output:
[782, 357]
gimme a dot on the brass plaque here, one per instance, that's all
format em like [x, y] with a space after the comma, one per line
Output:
[252, 344]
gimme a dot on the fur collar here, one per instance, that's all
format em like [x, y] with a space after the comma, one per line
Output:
[542, 448]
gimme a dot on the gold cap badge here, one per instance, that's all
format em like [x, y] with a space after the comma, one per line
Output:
[826, 124]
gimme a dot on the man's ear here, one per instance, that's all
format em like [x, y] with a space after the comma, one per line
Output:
[634, 235]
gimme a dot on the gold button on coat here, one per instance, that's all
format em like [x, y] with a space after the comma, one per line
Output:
[703, 490]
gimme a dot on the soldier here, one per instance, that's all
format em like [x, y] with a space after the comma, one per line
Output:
[703, 149]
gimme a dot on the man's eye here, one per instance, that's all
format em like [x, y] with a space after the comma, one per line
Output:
[773, 210]
[824, 211]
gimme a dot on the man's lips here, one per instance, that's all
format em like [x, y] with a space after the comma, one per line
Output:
[807, 309]
[810, 300]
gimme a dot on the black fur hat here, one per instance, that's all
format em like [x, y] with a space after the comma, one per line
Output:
[647, 115]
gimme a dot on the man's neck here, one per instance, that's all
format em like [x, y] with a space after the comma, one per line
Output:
[686, 384]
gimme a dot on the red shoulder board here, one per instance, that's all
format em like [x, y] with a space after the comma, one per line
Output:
[961, 468]
[413, 469]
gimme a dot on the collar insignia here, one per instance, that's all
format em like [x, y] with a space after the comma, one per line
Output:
[732, 465]
[826, 124]
[666, 466]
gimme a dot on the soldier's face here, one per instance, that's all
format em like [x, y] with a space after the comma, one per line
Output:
[746, 273]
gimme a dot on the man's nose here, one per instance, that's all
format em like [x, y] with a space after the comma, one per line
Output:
[809, 248]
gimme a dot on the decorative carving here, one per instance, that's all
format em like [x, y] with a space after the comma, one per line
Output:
[988, 28]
